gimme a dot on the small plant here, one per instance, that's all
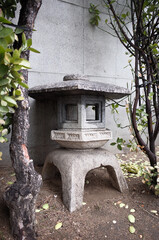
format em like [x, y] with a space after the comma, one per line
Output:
[142, 169]
[120, 143]
[149, 173]
[132, 169]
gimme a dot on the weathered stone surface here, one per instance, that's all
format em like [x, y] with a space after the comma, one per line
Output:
[71, 87]
[75, 77]
[81, 116]
[81, 139]
[74, 165]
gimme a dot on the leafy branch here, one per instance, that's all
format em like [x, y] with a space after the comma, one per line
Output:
[141, 42]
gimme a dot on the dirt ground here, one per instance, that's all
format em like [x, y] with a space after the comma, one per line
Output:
[101, 216]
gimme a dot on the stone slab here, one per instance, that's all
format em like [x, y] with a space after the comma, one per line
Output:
[81, 139]
[51, 91]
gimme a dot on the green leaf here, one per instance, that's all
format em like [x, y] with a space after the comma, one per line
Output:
[15, 74]
[119, 146]
[129, 145]
[3, 70]
[9, 183]
[4, 20]
[113, 143]
[3, 43]
[7, 58]
[120, 140]
[23, 38]
[10, 100]
[139, 127]
[131, 229]
[8, 121]
[4, 132]
[2, 140]
[18, 92]
[3, 103]
[2, 122]
[16, 54]
[4, 82]
[2, 53]
[45, 206]
[34, 50]
[20, 98]
[16, 68]
[123, 15]
[11, 110]
[29, 42]
[131, 218]
[10, 39]
[19, 30]
[24, 63]
[23, 85]
[6, 32]
[4, 109]
[8, 49]
[155, 51]
[150, 96]
[14, 84]
[16, 61]
[58, 225]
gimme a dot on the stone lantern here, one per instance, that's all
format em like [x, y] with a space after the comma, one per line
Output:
[81, 120]
[81, 134]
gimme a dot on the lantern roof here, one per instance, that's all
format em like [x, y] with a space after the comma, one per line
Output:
[77, 85]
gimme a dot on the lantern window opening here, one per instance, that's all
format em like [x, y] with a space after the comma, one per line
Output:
[70, 113]
[94, 112]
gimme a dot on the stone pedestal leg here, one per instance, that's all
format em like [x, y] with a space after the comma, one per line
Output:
[72, 189]
[117, 179]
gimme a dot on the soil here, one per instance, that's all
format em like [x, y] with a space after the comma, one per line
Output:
[101, 216]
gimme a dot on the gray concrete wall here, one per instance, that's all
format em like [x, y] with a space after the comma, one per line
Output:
[69, 45]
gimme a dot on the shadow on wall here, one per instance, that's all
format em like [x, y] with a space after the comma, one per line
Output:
[43, 119]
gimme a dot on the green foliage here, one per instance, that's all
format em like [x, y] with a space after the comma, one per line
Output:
[149, 173]
[120, 142]
[132, 169]
[114, 107]
[11, 64]
[8, 7]
[10, 76]
[94, 20]
[142, 169]
[141, 38]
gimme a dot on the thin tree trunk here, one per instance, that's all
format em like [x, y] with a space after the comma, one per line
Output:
[21, 197]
